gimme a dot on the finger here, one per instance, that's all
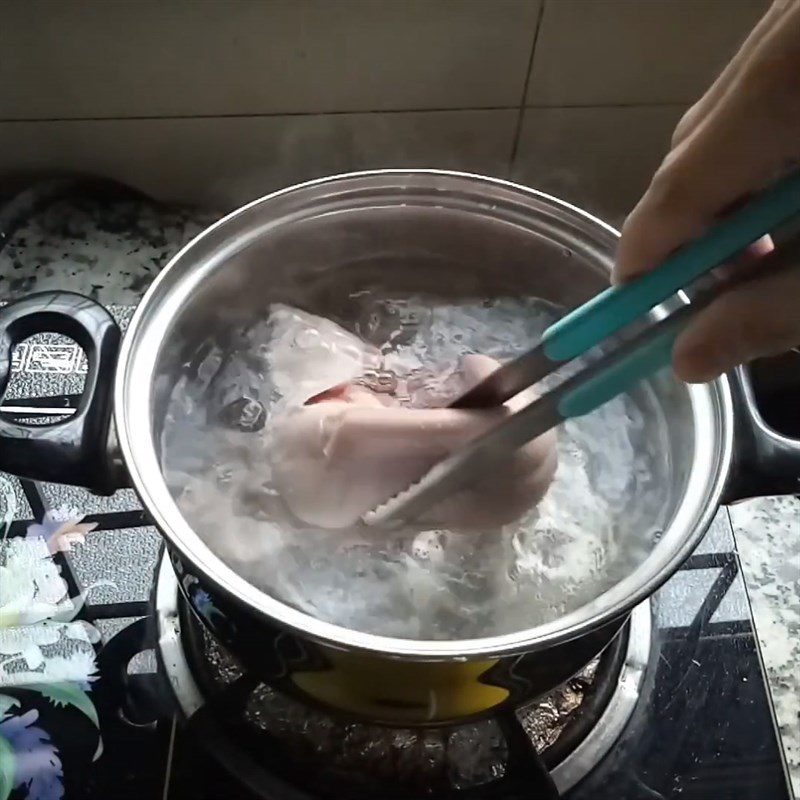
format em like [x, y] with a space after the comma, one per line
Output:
[759, 249]
[749, 264]
[747, 140]
[692, 118]
[754, 319]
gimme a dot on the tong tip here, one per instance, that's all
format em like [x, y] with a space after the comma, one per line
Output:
[417, 497]
[385, 514]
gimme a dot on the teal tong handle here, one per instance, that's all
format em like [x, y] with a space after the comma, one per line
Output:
[617, 372]
[614, 308]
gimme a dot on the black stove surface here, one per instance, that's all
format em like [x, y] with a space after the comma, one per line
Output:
[703, 728]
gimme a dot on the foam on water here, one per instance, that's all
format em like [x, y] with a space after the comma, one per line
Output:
[598, 521]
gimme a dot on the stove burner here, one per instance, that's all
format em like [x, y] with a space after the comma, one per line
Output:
[572, 728]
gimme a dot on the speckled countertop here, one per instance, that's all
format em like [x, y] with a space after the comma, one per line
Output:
[767, 532]
[108, 242]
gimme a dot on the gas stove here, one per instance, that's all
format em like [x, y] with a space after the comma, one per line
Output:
[280, 742]
[109, 687]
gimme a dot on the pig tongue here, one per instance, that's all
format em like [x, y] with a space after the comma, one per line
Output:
[348, 449]
[352, 393]
[378, 387]
[346, 452]
[334, 393]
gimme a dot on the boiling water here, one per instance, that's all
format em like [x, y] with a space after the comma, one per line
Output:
[598, 521]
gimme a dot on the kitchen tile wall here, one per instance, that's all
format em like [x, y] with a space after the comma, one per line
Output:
[598, 157]
[221, 162]
[217, 101]
[628, 52]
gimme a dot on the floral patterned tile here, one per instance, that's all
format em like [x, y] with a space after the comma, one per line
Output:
[47, 659]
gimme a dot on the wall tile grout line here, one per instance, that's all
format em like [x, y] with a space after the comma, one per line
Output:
[270, 115]
[264, 114]
[521, 110]
[560, 106]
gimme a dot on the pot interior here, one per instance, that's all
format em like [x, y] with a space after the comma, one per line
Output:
[453, 240]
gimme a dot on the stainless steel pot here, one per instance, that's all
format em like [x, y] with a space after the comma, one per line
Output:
[403, 231]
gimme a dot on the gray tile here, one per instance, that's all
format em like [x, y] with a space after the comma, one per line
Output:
[13, 503]
[135, 58]
[680, 599]
[28, 559]
[598, 52]
[142, 663]
[599, 158]
[719, 538]
[109, 628]
[735, 605]
[46, 653]
[82, 502]
[126, 558]
[224, 162]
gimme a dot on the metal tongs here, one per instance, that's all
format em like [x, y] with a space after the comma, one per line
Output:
[580, 331]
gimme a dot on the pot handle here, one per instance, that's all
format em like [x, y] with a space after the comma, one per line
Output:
[75, 450]
[765, 462]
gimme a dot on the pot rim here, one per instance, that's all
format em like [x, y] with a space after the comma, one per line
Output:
[131, 413]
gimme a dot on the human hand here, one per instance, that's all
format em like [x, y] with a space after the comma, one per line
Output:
[742, 134]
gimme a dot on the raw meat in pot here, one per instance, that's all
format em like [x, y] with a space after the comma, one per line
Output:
[348, 450]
